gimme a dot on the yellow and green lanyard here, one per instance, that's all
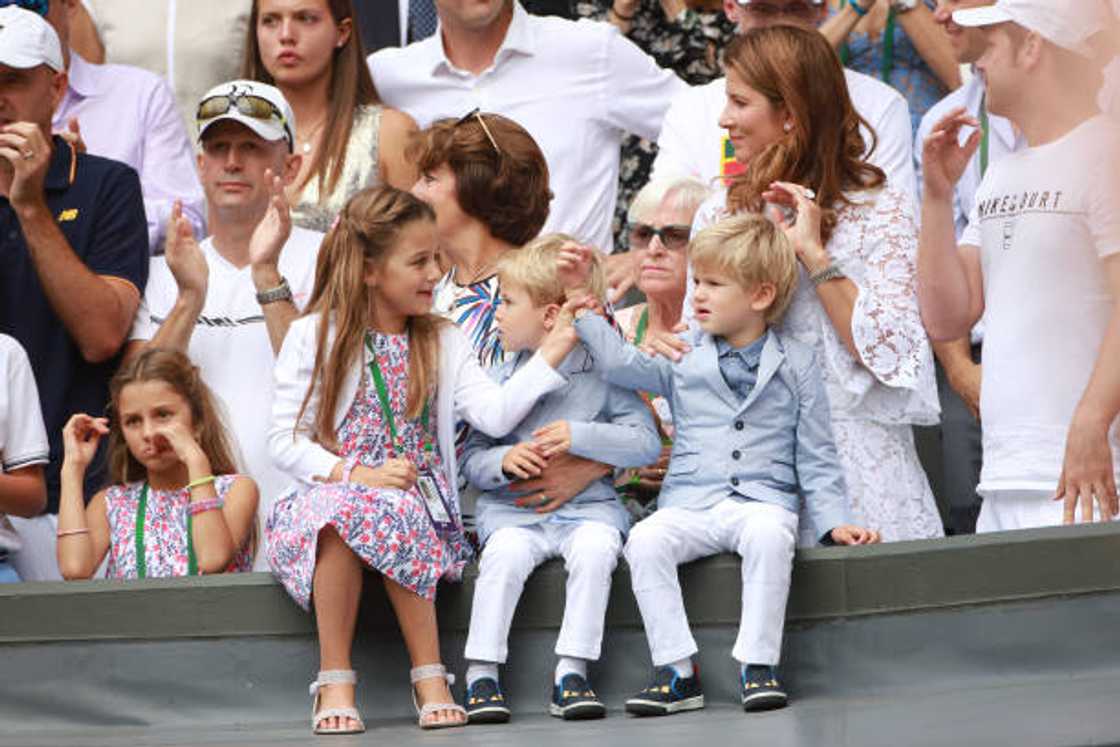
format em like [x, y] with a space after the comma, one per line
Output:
[141, 555]
[395, 441]
[886, 63]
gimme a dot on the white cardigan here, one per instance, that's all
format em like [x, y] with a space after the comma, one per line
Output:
[464, 392]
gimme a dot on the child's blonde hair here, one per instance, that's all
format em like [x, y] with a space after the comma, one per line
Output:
[752, 250]
[364, 234]
[533, 267]
[176, 370]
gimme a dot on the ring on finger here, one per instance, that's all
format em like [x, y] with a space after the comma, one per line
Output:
[542, 500]
[809, 194]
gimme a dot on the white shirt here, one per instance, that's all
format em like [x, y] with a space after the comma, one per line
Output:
[692, 144]
[230, 343]
[576, 86]
[23, 438]
[1001, 141]
[1044, 219]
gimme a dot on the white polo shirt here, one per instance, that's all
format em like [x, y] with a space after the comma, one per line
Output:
[23, 438]
[692, 144]
[230, 344]
[576, 86]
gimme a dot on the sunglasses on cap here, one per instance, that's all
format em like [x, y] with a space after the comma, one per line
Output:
[35, 6]
[802, 9]
[673, 237]
[476, 112]
[248, 104]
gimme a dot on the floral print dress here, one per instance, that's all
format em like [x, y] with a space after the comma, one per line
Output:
[388, 529]
[165, 531]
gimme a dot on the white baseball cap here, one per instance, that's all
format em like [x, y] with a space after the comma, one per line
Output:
[1067, 23]
[27, 40]
[258, 106]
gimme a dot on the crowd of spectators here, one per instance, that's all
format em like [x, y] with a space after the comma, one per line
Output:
[306, 285]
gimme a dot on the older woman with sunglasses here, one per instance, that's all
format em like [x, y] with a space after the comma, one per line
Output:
[660, 223]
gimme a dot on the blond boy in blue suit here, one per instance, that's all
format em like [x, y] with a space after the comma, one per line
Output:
[753, 440]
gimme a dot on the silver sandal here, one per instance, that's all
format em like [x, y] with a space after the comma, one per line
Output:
[427, 672]
[334, 677]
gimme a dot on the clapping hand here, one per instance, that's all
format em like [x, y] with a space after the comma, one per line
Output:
[184, 256]
[80, 438]
[272, 232]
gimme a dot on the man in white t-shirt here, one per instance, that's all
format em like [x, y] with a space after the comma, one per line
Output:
[1040, 260]
[692, 144]
[958, 370]
[24, 450]
[227, 301]
[576, 86]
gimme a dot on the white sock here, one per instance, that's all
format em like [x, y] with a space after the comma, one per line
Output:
[479, 669]
[683, 668]
[568, 665]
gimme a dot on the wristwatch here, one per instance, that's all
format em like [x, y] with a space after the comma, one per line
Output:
[282, 292]
[904, 6]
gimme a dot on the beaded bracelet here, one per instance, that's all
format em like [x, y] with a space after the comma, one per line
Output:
[198, 507]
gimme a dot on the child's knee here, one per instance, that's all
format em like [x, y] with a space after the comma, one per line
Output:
[768, 536]
[594, 551]
[506, 556]
[645, 546]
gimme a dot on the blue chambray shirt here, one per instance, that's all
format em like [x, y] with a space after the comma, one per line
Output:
[739, 366]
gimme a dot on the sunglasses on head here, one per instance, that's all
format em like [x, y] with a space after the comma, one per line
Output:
[248, 104]
[35, 6]
[773, 10]
[476, 113]
[672, 237]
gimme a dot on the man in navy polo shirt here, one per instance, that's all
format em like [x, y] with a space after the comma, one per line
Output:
[73, 257]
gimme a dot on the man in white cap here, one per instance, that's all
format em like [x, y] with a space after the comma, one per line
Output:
[227, 301]
[692, 144]
[1040, 260]
[74, 240]
[127, 114]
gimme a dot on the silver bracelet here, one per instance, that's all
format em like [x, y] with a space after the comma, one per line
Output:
[281, 292]
[832, 272]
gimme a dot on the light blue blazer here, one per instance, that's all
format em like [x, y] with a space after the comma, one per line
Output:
[609, 424]
[775, 446]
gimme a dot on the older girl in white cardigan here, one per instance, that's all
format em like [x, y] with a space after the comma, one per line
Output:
[369, 386]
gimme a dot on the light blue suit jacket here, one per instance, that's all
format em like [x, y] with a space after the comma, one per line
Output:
[774, 446]
[609, 424]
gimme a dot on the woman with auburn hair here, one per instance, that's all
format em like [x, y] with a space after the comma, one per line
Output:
[797, 134]
[310, 50]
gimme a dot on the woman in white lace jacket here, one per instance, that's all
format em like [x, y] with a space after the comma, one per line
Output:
[796, 133]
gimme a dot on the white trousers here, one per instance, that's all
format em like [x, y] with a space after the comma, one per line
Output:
[763, 534]
[1006, 510]
[590, 550]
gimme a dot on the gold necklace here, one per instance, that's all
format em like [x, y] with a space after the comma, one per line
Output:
[306, 147]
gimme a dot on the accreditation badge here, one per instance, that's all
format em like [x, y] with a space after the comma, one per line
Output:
[435, 501]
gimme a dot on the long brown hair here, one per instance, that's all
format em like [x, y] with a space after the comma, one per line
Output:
[797, 69]
[351, 86]
[176, 370]
[367, 230]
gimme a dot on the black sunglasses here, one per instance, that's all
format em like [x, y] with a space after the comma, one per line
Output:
[673, 237]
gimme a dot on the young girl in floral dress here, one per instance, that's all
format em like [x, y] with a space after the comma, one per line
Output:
[369, 385]
[177, 506]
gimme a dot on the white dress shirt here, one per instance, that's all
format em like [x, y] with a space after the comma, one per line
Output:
[692, 144]
[576, 86]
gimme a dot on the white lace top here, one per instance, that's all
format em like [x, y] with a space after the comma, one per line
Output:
[876, 245]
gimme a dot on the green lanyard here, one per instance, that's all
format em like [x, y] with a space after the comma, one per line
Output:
[886, 64]
[643, 325]
[985, 137]
[141, 556]
[387, 408]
